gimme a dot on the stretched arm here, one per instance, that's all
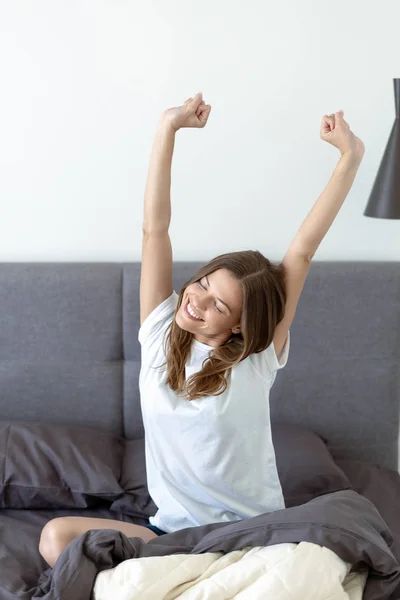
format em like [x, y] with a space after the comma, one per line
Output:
[156, 272]
[157, 200]
[298, 257]
[323, 213]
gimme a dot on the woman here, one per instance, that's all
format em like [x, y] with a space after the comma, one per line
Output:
[210, 355]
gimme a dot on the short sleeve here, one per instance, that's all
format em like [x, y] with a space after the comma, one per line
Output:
[151, 333]
[268, 363]
[277, 362]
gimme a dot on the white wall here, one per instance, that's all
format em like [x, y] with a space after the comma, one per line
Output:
[82, 84]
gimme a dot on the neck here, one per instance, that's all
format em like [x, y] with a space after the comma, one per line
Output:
[213, 341]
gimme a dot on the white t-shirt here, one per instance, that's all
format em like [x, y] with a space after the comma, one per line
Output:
[207, 460]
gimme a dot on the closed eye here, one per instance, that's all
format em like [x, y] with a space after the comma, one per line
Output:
[215, 304]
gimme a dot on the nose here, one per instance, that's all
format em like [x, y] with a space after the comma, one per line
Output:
[201, 301]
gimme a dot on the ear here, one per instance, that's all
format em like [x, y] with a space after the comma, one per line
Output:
[236, 330]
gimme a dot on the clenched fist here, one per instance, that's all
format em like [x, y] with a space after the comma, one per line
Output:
[336, 131]
[193, 113]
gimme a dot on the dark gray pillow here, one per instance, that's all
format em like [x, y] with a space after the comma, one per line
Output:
[45, 465]
[381, 486]
[305, 466]
[135, 500]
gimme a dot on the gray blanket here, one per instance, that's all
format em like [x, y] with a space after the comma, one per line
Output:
[344, 522]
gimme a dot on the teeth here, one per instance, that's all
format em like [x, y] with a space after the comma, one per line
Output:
[191, 311]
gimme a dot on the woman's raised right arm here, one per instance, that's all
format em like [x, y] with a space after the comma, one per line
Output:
[156, 273]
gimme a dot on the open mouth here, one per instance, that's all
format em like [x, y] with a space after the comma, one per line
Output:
[191, 313]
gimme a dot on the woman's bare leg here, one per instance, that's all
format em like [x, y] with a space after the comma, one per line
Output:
[59, 532]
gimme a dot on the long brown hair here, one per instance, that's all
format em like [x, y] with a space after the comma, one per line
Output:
[264, 301]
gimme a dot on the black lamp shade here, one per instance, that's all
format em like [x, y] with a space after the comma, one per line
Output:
[384, 200]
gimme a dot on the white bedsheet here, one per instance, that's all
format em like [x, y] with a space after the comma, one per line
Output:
[301, 571]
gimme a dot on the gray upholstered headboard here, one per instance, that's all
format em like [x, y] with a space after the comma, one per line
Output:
[69, 351]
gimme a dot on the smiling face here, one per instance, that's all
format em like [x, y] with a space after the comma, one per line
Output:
[211, 308]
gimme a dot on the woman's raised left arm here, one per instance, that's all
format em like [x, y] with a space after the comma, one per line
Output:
[336, 131]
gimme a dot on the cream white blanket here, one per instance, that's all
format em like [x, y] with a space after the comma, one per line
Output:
[301, 571]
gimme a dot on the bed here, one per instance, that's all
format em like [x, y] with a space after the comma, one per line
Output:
[71, 443]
